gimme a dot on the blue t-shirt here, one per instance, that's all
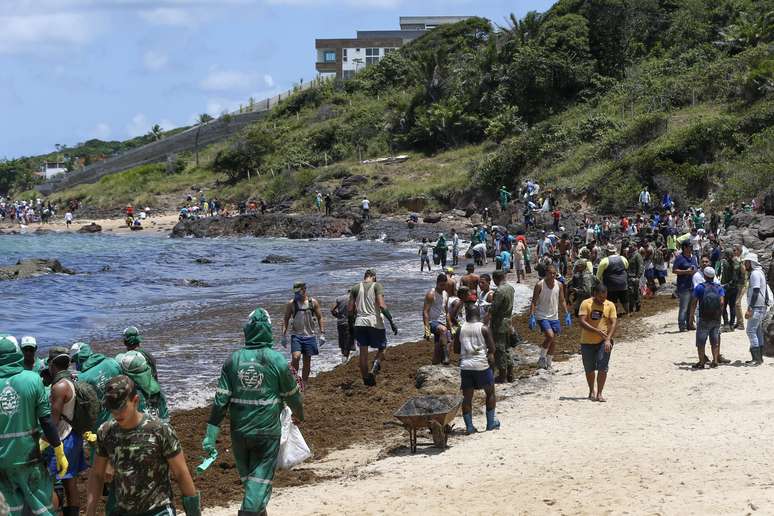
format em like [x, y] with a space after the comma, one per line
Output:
[698, 292]
[682, 263]
[505, 256]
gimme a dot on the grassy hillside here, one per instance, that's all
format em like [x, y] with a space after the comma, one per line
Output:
[595, 98]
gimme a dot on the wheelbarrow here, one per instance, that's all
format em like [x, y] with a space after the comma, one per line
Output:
[432, 412]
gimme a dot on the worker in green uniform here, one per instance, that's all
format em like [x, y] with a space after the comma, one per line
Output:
[24, 411]
[29, 348]
[505, 197]
[254, 384]
[95, 369]
[152, 400]
[634, 273]
[133, 341]
[500, 325]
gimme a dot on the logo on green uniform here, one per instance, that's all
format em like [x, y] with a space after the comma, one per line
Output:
[9, 401]
[250, 378]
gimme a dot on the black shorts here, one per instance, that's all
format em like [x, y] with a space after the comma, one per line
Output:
[346, 340]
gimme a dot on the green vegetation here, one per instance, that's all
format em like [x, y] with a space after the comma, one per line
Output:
[594, 98]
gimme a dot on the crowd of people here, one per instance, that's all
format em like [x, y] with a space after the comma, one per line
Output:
[33, 211]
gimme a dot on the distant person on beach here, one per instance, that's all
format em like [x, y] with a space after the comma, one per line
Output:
[144, 451]
[318, 198]
[365, 205]
[613, 273]
[328, 205]
[645, 200]
[710, 298]
[500, 313]
[476, 348]
[758, 303]
[598, 321]
[303, 310]
[455, 238]
[441, 250]
[684, 267]
[470, 278]
[547, 296]
[344, 328]
[435, 318]
[367, 306]
[424, 256]
[68, 219]
[133, 341]
[255, 382]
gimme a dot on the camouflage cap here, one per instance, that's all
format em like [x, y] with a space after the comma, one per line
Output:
[118, 390]
[58, 351]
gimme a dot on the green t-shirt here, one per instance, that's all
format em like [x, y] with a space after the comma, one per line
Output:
[23, 400]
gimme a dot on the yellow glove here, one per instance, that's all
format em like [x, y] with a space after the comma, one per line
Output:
[90, 437]
[61, 461]
[43, 445]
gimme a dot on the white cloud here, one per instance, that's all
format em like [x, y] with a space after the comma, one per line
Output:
[138, 126]
[227, 80]
[268, 80]
[42, 33]
[174, 17]
[154, 60]
[101, 131]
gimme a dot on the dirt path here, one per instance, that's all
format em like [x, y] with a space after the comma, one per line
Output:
[670, 440]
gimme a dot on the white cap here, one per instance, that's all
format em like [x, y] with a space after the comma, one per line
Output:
[709, 272]
[28, 341]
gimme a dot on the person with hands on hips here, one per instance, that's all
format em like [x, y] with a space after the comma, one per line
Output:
[598, 319]
[544, 312]
[300, 315]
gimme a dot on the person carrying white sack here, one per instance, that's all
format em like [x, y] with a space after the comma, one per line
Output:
[255, 383]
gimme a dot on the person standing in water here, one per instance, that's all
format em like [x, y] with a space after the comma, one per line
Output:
[303, 310]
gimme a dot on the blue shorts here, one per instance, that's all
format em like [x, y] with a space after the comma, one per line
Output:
[434, 329]
[661, 273]
[707, 330]
[552, 325]
[650, 273]
[73, 448]
[304, 345]
[476, 379]
[371, 337]
[595, 358]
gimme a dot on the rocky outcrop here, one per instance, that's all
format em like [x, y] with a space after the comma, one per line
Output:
[90, 228]
[756, 232]
[31, 268]
[268, 225]
[278, 258]
[768, 334]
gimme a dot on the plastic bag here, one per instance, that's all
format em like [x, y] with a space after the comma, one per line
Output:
[293, 449]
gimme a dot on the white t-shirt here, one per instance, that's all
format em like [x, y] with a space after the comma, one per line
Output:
[473, 347]
[68, 217]
[366, 204]
[757, 280]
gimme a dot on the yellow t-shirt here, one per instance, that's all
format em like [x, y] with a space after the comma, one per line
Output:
[600, 317]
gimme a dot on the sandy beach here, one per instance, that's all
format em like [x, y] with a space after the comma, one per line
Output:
[161, 223]
[670, 440]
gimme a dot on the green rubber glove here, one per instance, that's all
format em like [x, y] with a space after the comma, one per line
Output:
[208, 444]
[192, 504]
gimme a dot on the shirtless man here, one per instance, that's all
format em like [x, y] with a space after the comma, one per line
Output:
[435, 318]
[470, 279]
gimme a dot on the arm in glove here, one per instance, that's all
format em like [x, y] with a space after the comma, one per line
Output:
[388, 315]
[322, 340]
[90, 437]
[284, 341]
[192, 505]
[427, 334]
[532, 322]
[61, 460]
[211, 435]
[567, 319]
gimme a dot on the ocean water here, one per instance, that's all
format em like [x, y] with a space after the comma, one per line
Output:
[191, 328]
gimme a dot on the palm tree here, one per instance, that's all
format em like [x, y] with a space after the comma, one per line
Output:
[200, 121]
[156, 132]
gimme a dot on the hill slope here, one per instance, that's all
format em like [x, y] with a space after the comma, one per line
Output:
[595, 98]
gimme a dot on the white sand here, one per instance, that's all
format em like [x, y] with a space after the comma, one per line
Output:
[157, 224]
[669, 440]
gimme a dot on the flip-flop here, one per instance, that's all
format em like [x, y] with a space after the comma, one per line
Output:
[713, 365]
[698, 365]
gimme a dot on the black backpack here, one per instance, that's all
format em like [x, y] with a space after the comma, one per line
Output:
[710, 308]
[87, 406]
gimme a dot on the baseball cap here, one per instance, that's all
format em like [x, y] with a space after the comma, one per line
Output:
[709, 272]
[58, 351]
[449, 270]
[29, 342]
[298, 285]
[118, 390]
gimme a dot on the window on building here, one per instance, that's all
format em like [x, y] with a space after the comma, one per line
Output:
[344, 54]
[388, 50]
[329, 56]
[372, 56]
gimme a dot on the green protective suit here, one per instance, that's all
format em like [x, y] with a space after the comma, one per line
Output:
[152, 400]
[96, 369]
[501, 312]
[254, 384]
[23, 400]
[635, 271]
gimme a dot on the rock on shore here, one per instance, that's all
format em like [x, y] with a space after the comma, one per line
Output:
[268, 225]
[31, 268]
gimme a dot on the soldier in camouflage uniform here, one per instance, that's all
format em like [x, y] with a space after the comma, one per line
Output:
[255, 383]
[95, 369]
[500, 325]
[24, 410]
[143, 450]
[152, 399]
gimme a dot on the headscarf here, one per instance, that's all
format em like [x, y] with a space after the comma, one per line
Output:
[11, 357]
[258, 330]
[135, 366]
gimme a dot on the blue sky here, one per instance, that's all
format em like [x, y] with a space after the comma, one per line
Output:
[79, 69]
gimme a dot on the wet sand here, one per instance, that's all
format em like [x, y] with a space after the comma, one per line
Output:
[159, 225]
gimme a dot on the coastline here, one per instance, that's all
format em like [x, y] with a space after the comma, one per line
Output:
[156, 225]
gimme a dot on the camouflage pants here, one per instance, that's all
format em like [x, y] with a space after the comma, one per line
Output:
[28, 486]
[256, 459]
[503, 360]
